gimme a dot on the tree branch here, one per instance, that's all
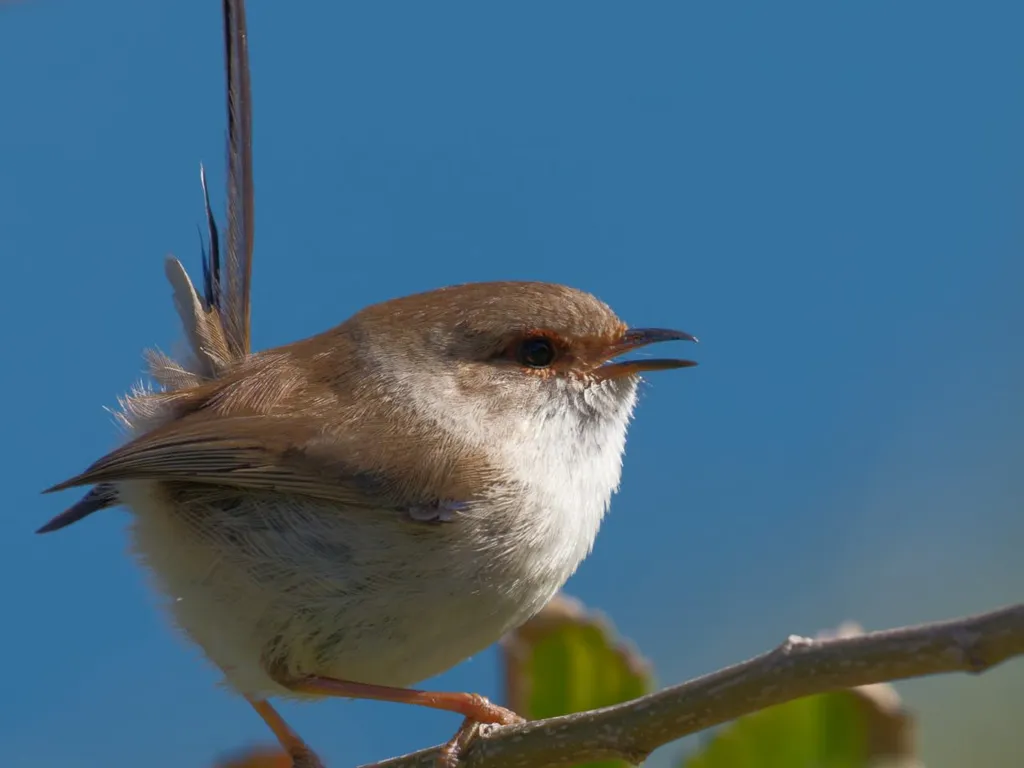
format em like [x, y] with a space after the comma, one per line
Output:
[799, 667]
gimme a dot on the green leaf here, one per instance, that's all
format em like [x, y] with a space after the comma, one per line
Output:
[567, 659]
[854, 728]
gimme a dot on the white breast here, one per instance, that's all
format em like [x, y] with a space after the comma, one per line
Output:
[571, 459]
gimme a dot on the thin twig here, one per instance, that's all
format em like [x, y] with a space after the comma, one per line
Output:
[798, 667]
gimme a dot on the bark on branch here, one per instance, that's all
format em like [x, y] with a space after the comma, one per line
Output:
[798, 667]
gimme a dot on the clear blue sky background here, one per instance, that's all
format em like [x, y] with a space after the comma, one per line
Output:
[830, 194]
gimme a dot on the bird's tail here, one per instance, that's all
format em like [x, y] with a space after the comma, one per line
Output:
[216, 324]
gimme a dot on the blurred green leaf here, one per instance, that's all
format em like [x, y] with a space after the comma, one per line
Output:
[854, 728]
[567, 659]
[824, 731]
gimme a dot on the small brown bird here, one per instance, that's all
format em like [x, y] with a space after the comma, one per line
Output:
[363, 509]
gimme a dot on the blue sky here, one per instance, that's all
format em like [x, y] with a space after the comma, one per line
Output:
[830, 195]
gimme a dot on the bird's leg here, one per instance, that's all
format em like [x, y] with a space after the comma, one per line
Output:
[471, 705]
[300, 753]
[476, 709]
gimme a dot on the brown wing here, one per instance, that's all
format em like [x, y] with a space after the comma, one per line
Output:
[297, 455]
[100, 497]
[253, 452]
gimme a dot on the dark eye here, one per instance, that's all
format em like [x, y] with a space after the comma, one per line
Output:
[536, 352]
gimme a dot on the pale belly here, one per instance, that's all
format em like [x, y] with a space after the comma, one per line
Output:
[311, 590]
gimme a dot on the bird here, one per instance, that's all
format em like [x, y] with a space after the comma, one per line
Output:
[354, 512]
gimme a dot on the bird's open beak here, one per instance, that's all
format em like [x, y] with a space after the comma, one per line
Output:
[634, 338]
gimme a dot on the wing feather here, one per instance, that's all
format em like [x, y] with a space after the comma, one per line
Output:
[100, 497]
[292, 456]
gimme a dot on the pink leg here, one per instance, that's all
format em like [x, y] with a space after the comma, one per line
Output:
[302, 756]
[474, 708]
[470, 705]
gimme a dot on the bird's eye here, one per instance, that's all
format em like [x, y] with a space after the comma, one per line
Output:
[536, 352]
